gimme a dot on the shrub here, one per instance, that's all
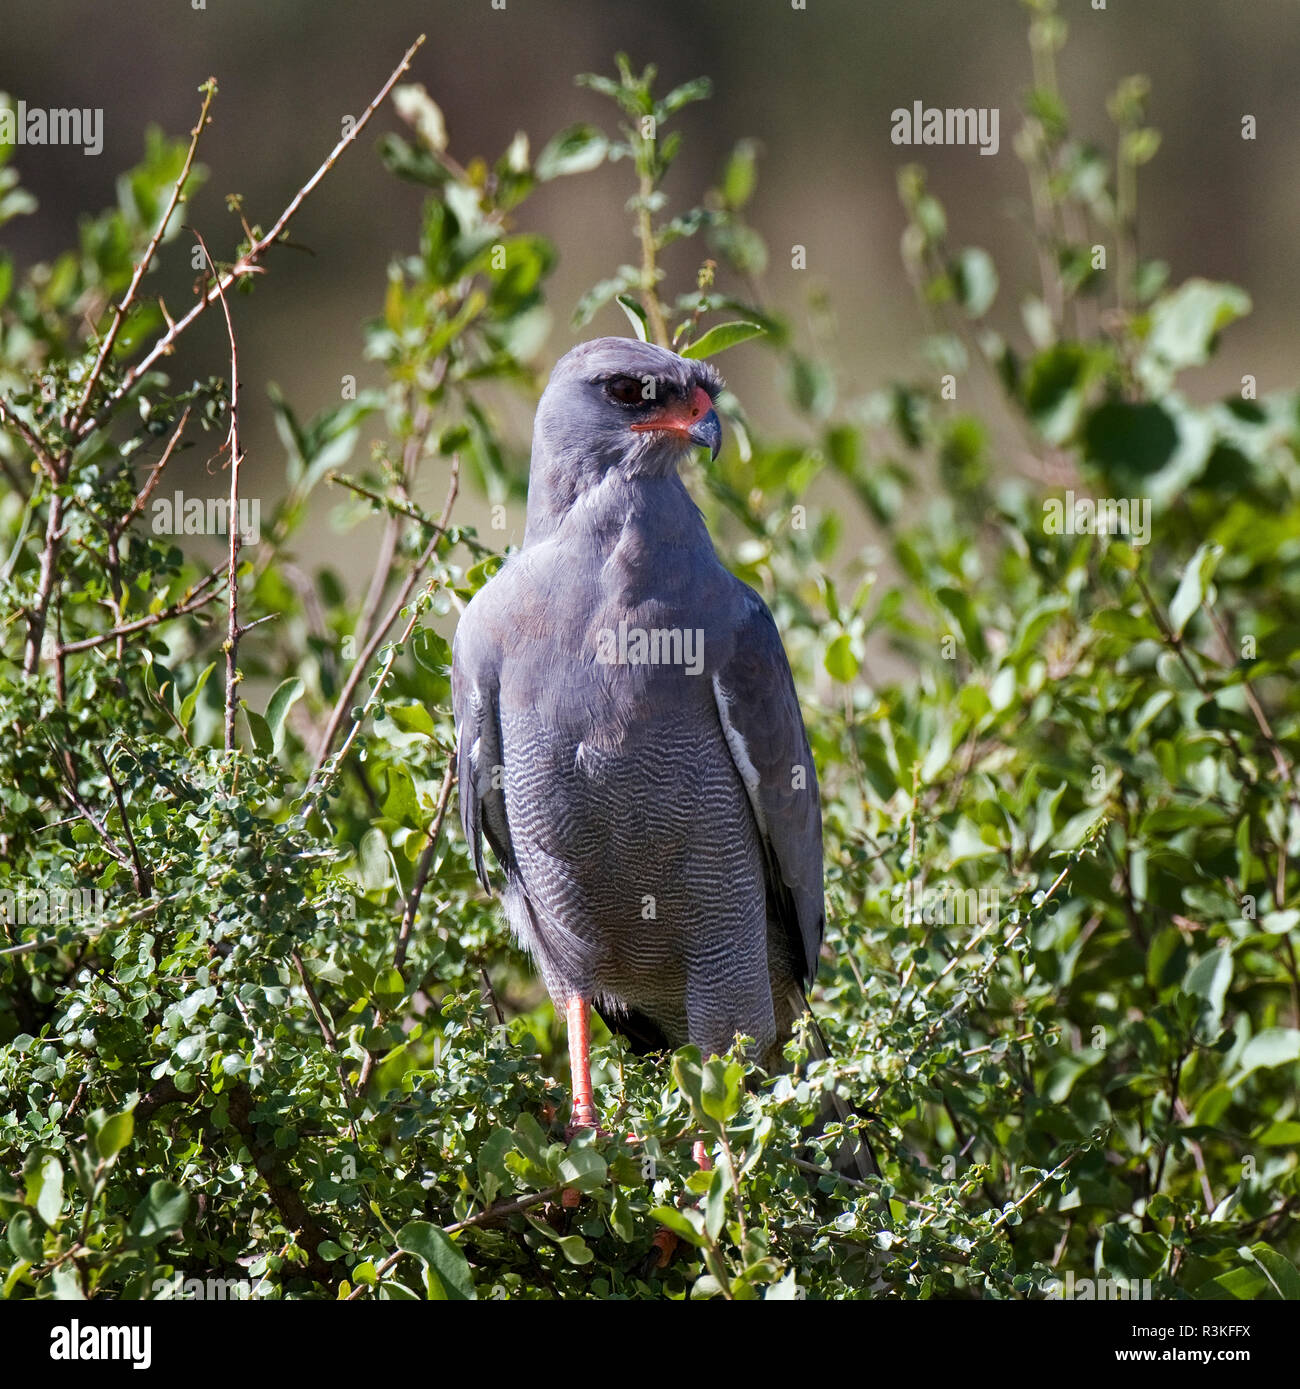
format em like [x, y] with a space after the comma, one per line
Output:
[256, 1018]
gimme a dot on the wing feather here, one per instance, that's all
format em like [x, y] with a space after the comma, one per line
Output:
[762, 723]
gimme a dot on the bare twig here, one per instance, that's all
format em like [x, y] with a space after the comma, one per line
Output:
[37, 615]
[247, 263]
[140, 873]
[231, 644]
[209, 90]
[414, 447]
[28, 435]
[426, 863]
[196, 598]
[490, 1216]
[154, 478]
[344, 701]
[331, 1040]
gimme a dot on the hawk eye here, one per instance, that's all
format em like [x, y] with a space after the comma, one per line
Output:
[624, 389]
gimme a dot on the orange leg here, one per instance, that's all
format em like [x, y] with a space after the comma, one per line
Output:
[578, 1016]
[577, 1012]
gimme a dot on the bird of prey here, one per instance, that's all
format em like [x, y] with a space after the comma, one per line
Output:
[629, 740]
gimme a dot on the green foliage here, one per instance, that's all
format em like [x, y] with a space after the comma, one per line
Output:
[289, 1038]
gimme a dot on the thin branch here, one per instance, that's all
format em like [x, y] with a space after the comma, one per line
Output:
[209, 90]
[28, 947]
[231, 644]
[490, 1216]
[194, 598]
[28, 435]
[154, 478]
[426, 863]
[411, 511]
[1033, 1190]
[247, 263]
[37, 616]
[649, 270]
[331, 1040]
[344, 701]
[411, 453]
[1257, 710]
[140, 874]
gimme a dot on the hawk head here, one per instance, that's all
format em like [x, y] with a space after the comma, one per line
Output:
[622, 405]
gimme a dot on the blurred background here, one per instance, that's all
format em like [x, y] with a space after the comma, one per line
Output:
[814, 87]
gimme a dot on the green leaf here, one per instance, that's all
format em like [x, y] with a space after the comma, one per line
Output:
[411, 718]
[161, 1213]
[718, 339]
[493, 1174]
[697, 89]
[114, 1134]
[576, 150]
[401, 804]
[447, 1276]
[23, 1238]
[389, 990]
[480, 573]
[575, 1249]
[720, 1089]
[1207, 982]
[1274, 1046]
[1185, 325]
[840, 662]
[431, 651]
[688, 1225]
[285, 696]
[1129, 440]
[715, 1204]
[1282, 1274]
[1055, 386]
[261, 734]
[1193, 586]
[419, 110]
[959, 605]
[190, 702]
[740, 175]
[45, 1189]
[974, 280]
[584, 1169]
[635, 314]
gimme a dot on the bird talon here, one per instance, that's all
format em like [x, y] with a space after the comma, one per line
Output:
[584, 1123]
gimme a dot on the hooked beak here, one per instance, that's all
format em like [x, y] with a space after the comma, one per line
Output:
[707, 430]
[695, 420]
